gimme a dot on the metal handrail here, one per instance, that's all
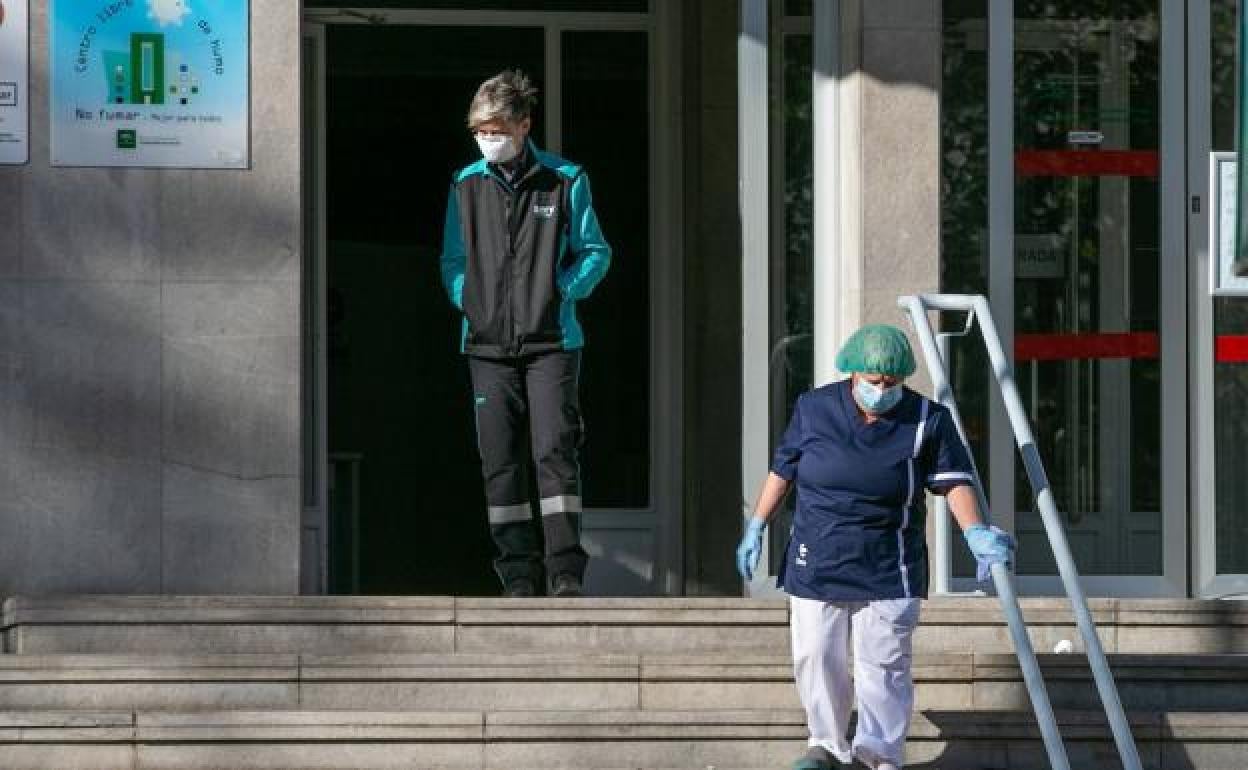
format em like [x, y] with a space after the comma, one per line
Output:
[979, 310]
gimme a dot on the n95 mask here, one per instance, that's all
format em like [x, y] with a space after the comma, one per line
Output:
[497, 148]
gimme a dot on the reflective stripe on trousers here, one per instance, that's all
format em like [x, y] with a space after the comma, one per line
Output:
[528, 411]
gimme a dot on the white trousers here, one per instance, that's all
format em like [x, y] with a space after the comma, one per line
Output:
[883, 631]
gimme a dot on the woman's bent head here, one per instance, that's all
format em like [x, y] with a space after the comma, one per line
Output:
[880, 358]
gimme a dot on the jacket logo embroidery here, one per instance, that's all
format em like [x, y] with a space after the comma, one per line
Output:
[544, 212]
[801, 555]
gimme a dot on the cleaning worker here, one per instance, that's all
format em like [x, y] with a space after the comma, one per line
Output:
[861, 452]
[521, 247]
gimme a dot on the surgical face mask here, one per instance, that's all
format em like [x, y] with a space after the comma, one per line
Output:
[497, 148]
[877, 399]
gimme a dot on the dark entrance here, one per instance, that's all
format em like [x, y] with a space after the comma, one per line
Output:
[407, 513]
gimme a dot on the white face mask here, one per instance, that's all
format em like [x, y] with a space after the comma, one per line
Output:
[498, 148]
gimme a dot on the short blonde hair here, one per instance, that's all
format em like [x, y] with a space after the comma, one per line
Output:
[509, 96]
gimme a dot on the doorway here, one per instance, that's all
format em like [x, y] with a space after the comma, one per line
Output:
[1085, 268]
[405, 511]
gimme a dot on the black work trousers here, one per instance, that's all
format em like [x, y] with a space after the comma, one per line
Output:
[523, 405]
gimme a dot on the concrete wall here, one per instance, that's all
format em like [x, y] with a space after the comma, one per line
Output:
[149, 357]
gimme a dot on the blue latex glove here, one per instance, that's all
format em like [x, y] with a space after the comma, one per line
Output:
[989, 545]
[751, 548]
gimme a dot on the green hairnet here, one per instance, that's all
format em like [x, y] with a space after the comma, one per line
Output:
[877, 349]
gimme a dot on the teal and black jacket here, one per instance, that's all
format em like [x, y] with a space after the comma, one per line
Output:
[517, 257]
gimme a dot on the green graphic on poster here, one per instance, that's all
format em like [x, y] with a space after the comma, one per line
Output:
[137, 76]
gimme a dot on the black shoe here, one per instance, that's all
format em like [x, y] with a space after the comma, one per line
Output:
[520, 588]
[818, 758]
[815, 759]
[566, 586]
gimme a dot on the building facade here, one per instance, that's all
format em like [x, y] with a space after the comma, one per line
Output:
[247, 381]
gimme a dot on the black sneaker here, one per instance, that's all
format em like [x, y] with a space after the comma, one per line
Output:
[566, 586]
[520, 588]
[817, 758]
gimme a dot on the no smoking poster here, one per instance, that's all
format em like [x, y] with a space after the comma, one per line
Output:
[149, 83]
[14, 77]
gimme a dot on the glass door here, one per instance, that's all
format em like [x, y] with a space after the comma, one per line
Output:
[1086, 280]
[791, 334]
[1091, 303]
[1082, 252]
[1220, 354]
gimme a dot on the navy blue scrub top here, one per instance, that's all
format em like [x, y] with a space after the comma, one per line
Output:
[858, 532]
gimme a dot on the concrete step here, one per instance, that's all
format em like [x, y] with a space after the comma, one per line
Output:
[357, 625]
[472, 681]
[719, 739]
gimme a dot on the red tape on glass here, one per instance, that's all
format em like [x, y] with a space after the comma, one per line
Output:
[1069, 347]
[1231, 349]
[1086, 163]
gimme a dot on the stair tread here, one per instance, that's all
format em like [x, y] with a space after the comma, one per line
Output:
[337, 629]
[943, 609]
[106, 661]
[36, 718]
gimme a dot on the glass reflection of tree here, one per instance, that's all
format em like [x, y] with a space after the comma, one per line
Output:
[964, 155]
[799, 233]
[964, 212]
[791, 360]
[1231, 443]
[1222, 62]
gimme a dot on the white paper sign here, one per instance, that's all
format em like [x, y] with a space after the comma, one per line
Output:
[150, 83]
[14, 79]
[1222, 182]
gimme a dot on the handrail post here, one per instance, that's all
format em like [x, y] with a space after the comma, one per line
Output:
[1001, 577]
[1057, 538]
[917, 308]
[942, 575]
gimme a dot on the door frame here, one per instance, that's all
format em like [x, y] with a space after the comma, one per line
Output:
[662, 520]
[1206, 582]
[1173, 264]
[314, 381]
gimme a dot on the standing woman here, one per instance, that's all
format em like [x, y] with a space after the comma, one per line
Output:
[861, 452]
